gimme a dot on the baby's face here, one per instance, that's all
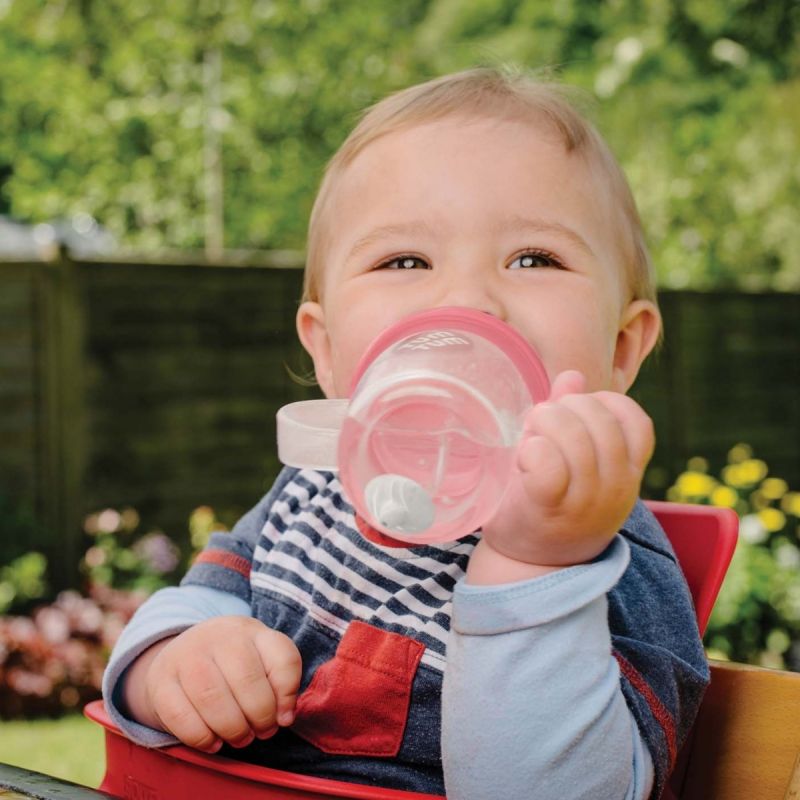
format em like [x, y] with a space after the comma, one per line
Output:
[489, 215]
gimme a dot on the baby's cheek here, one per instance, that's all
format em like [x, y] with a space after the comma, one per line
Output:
[344, 367]
[595, 363]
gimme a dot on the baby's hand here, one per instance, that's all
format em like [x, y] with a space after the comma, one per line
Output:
[580, 465]
[227, 679]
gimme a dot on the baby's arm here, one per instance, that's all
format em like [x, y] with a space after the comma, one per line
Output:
[531, 703]
[194, 664]
[534, 701]
[163, 616]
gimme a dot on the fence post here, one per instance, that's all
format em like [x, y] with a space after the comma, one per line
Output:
[61, 333]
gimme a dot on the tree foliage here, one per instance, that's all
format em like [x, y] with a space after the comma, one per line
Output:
[108, 108]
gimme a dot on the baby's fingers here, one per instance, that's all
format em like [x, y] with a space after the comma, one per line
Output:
[568, 440]
[568, 382]
[635, 425]
[604, 430]
[283, 668]
[548, 472]
[208, 690]
[177, 715]
[246, 677]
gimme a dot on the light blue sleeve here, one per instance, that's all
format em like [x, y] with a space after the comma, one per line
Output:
[531, 702]
[166, 613]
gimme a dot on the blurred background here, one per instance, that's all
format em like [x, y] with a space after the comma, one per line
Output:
[157, 166]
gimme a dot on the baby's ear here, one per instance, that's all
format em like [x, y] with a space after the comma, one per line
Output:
[639, 329]
[313, 334]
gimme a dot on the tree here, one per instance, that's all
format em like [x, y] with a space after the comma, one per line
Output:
[105, 110]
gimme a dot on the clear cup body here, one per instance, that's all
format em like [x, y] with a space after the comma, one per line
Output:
[429, 441]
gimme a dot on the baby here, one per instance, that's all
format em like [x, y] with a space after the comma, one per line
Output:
[555, 652]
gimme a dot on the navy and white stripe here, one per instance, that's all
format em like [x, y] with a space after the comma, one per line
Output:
[310, 552]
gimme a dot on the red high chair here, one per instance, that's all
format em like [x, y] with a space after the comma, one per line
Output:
[704, 539]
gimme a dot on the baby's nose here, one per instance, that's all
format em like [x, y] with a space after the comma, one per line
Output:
[474, 294]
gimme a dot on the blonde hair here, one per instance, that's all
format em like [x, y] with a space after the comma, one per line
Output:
[487, 92]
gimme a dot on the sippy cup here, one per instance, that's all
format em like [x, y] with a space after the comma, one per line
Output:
[425, 445]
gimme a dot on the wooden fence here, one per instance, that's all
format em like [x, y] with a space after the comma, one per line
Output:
[155, 386]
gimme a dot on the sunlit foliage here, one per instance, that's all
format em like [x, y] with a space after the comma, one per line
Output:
[109, 108]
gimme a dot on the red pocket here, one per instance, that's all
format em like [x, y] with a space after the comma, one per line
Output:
[357, 703]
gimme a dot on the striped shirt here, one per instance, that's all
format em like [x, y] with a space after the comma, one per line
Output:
[310, 554]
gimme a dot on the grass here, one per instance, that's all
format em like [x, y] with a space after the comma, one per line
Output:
[70, 748]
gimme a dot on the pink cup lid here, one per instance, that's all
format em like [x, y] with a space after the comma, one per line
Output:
[494, 330]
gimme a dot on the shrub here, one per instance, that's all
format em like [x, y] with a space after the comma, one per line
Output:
[52, 659]
[757, 616]
[23, 581]
[123, 558]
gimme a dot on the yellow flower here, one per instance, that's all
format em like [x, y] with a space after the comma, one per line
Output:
[724, 496]
[754, 470]
[790, 504]
[732, 475]
[744, 473]
[739, 453]
[774, 488]
[695, 484]
[772, 519]
[697, 464]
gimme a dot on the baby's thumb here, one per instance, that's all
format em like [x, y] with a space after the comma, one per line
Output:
[568, 382]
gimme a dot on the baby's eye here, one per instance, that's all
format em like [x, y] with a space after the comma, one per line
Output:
[536, 258]
[405, 262]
